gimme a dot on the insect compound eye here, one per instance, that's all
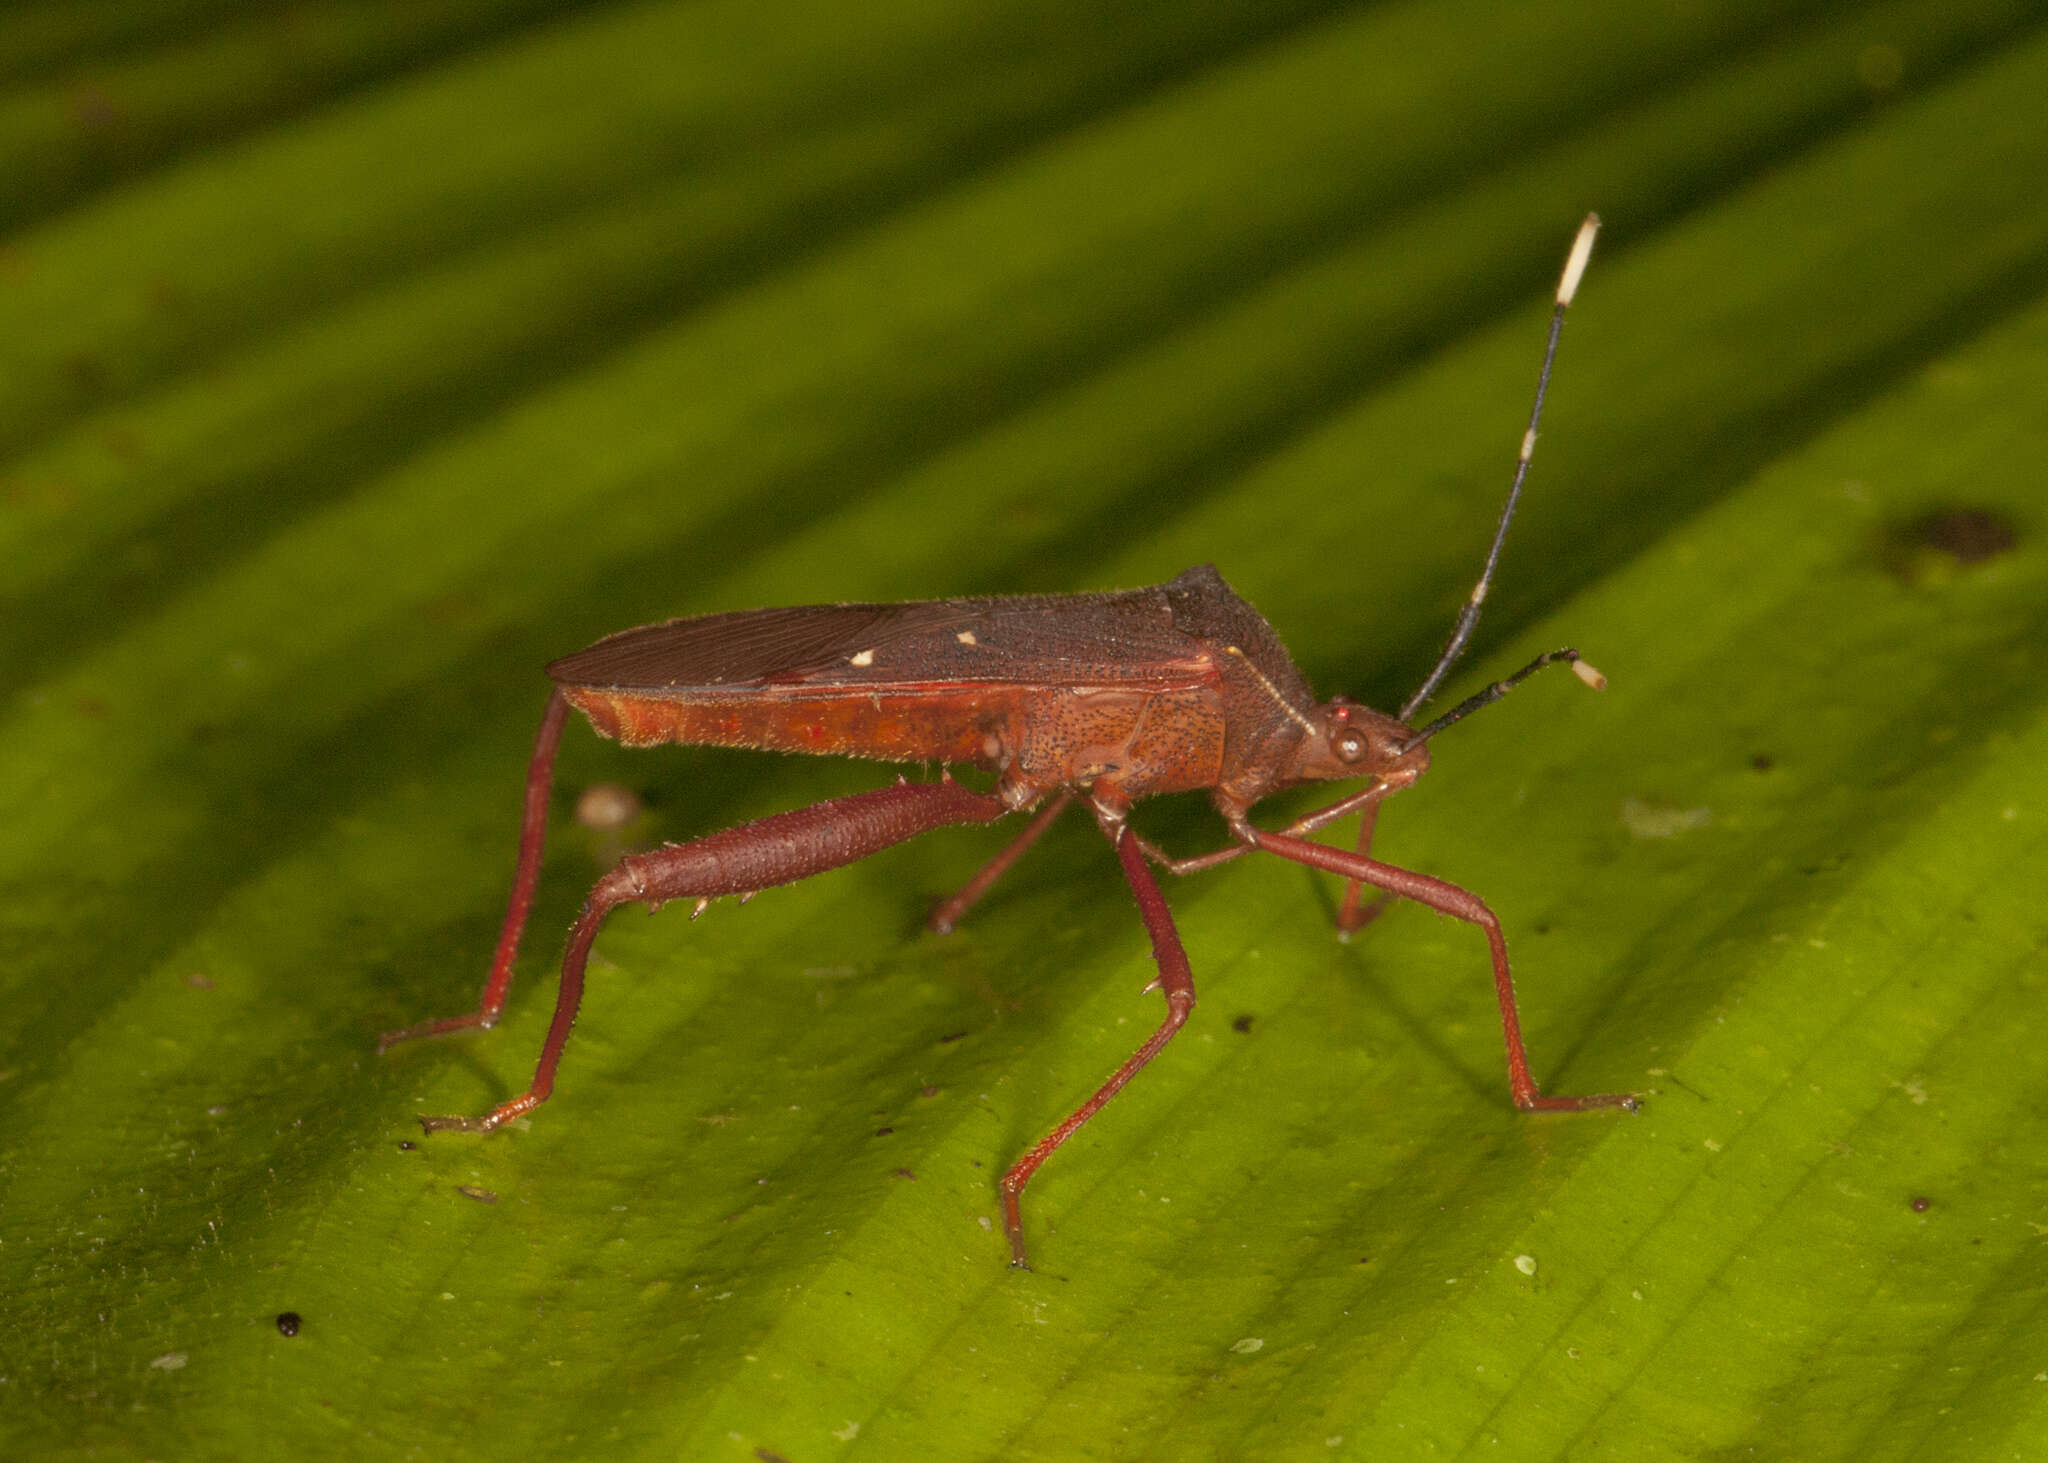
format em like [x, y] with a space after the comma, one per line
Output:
[1349, 744]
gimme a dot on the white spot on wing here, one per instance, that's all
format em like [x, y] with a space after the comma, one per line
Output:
[866, 657]
[966, 637]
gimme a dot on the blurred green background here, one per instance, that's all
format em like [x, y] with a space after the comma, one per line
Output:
[358, 358]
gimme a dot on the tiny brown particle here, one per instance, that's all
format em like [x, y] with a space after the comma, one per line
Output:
[287, 1323]
[1968, 535]
[1933, 549]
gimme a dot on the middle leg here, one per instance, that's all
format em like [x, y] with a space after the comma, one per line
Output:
[1175, 979]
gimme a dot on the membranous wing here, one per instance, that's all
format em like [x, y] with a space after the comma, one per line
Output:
[1127, 640]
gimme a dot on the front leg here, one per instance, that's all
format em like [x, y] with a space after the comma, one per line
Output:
[754, 856]
[1365, 803]
[1352, 916]
[1446, 898]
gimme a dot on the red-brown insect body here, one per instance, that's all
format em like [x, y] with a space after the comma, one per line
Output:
[1102, 698]
[1178, 687]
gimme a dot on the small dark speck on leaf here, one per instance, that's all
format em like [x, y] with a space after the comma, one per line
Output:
[928, 1090]
[904, 1173]
[93, 109]
[955, 1036]
[1242, 1024]
[1932, 548]
[406, 1145]
[1763, 762]
[883, 1132]
[1969, 535]
[769, 1457]
[1921, 1203]
[86, 373]
[287, 1323]
[482, 1196]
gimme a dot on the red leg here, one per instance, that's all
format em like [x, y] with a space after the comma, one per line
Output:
[1174, 978]
[1350, 917]
[1451, 900]
[533, 832]
[1193, 863]
[946, 913]
[778, 850]
[1364, 801]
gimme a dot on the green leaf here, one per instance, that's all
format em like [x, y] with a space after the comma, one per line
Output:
[355, 360]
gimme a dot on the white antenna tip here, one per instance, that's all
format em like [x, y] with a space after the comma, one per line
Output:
[1589, 675]
[1575, 266]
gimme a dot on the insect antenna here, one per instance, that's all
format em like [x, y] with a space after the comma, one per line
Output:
[1468, 617]
[1498, 689]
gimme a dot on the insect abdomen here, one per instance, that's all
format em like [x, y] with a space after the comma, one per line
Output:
[891, 726]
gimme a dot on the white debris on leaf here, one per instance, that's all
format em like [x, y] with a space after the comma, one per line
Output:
[1651, 820]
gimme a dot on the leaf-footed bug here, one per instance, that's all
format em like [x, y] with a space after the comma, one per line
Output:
[1102, 698]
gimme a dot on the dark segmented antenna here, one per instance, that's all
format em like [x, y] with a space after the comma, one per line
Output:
[1580, 668]
[1468, 617]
